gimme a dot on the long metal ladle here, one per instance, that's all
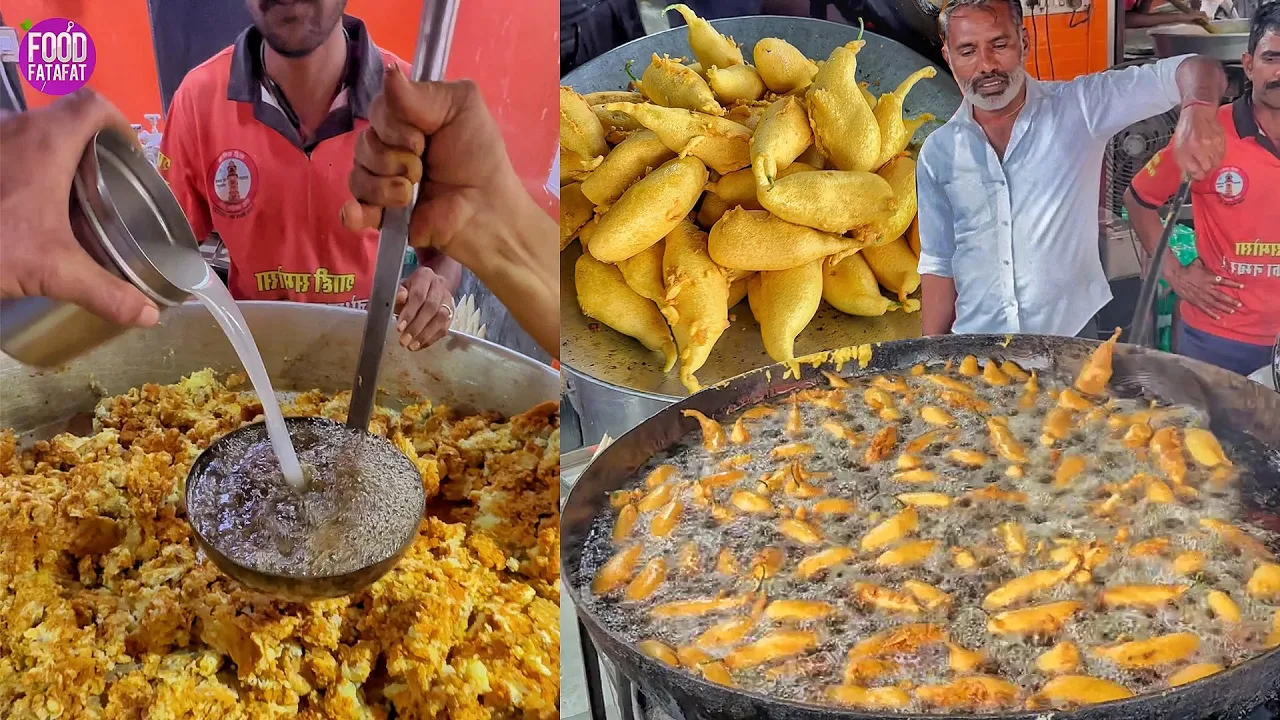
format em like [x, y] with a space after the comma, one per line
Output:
[1139, 327]
[429, 58]
[398, 477]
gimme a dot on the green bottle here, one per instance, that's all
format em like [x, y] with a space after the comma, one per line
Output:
[410, 263]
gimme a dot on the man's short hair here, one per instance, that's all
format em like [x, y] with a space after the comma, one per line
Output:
[1266, 19]
[949, 8]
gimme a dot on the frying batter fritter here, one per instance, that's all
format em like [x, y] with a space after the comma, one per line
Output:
[963, 536]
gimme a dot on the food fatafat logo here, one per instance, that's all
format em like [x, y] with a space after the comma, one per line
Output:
[56, 56]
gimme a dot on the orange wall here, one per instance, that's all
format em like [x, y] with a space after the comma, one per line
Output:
[512, 50]
[1075, 51]
[509, 49]
[126, 63]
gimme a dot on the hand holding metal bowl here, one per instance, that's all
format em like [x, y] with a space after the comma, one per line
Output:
[126, 250]
[43, 255]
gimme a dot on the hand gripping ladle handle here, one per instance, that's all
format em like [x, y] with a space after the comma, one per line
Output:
[429, 59]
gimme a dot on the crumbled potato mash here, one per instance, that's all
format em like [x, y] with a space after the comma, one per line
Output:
[108, 610]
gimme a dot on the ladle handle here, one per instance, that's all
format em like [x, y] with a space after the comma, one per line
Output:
[429, 58]
[1275, 365]
[1140, 325]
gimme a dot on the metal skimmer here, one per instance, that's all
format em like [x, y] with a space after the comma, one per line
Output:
[361, 509]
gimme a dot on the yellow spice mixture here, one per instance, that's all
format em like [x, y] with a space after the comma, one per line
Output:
[108, 610]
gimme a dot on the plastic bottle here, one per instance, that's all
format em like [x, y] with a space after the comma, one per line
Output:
[151, 145]
[410, 263]
[1166, 299]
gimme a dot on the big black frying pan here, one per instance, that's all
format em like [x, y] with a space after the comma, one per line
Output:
[1243, 413]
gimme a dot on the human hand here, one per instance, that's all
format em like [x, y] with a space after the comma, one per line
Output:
[465, 174]
[467, 185]
[1199, 143]
[40, 255]
[1202, 289]
[424, 309]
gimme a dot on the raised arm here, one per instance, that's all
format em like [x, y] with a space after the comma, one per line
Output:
[471, 205]
[1199, 142]
[1113, 100]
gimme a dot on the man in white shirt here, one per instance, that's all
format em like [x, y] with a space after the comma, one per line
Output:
[1008, 188]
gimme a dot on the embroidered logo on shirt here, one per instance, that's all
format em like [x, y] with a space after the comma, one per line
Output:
[163, 163]
[1230, 184]
[321, 280]
[233, 183]
[1152, 164]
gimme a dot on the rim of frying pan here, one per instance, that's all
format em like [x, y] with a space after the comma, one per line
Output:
[1056, 355]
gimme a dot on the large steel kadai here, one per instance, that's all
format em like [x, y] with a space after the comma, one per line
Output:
[1244, 414]
[304, 347]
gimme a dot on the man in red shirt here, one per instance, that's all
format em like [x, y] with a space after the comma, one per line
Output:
[257, 148]
[1230, 309]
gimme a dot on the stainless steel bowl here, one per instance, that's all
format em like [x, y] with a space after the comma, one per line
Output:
[126, 218]
[303, 347]
[614, 383]
[1227, 45]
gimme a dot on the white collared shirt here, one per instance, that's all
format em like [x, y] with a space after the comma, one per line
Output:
[1020, 238]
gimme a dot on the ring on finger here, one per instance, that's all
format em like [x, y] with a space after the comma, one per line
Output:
[446, 307]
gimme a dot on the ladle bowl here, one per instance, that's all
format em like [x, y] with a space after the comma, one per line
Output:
[292, 586]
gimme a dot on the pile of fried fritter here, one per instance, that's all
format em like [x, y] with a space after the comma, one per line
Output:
[108, 610]
[784, 181]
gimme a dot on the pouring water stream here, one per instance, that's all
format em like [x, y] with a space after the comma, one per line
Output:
[213, 294]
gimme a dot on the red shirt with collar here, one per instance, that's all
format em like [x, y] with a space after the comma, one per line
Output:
[239, 168]
[1236, 210]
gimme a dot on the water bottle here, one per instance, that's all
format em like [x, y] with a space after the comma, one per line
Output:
[151, 145]
[410, 263]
